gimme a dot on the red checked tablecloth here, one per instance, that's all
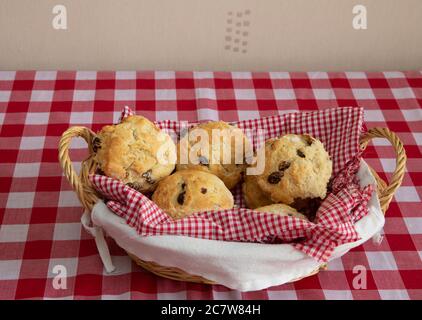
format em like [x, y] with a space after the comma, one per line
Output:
[40, 214]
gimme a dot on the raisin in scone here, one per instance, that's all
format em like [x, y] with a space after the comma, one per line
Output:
[232, 143]
[296, 167]
[282, 210]
[252, 193]
[135, 151]
[189, 191]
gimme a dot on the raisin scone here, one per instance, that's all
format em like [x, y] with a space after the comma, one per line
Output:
[296, 167]
[282, 210]
[189, 191]
[252, 193]
[220, 158]
[136, 152]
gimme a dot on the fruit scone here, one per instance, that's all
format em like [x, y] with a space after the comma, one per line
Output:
[229, 145]
[189, 191]
[253, 194]
[282, 210]
[136, 152]
[296, 167]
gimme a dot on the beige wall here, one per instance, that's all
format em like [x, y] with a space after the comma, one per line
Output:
[191, 35]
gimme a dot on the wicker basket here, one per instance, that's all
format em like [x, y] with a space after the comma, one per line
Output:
[88, 196]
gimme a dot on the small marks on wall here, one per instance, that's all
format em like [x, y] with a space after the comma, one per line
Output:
[237, 31]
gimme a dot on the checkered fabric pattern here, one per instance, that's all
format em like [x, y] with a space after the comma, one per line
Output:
[40, 214]
[334, 218]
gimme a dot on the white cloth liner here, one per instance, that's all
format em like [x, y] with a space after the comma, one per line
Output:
[237, 265]
[98, 234]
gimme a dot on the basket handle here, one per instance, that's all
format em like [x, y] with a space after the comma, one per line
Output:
[80, 183]
[386, 191]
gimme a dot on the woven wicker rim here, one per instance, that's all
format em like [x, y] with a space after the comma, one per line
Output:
[88, 196]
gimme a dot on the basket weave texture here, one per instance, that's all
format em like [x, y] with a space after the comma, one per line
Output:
[88, 196]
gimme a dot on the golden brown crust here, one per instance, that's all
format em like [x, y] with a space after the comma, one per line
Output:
[230, 173]
[296, 166]
[282, 210]
[252, 193]
[135, 151]
[189, 191]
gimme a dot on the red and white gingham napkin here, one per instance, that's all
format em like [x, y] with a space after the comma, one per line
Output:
[339, 129]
